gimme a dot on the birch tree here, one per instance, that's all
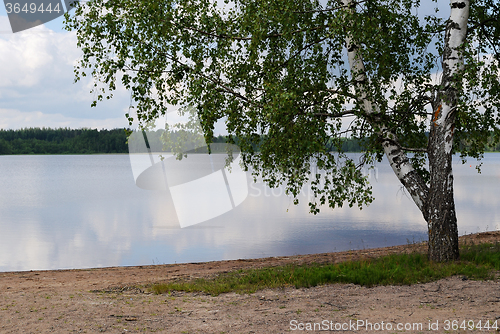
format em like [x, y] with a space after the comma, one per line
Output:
[297, 78]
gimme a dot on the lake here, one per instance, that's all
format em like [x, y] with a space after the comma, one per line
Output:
[72, 211]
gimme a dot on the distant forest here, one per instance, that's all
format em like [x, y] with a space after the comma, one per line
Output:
[62, 141]
[83, 141]
[91, 141]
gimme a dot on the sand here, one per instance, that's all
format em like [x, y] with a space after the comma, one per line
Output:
[116, 300]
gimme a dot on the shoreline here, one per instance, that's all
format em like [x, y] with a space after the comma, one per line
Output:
[114, 299]
[320, 258]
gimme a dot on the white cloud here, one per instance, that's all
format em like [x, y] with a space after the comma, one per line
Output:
[37, 89]
[28, 58]
[15, 119]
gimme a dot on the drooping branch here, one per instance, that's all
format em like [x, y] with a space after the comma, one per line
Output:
[335, 115]
[413, 149]
[242, 38]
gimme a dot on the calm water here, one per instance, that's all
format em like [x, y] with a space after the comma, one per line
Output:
[86, 211]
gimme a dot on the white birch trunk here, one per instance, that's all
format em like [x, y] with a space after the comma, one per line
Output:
[442, 221]
[435, 202]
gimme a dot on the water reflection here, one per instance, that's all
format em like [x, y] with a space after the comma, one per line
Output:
[85, 211]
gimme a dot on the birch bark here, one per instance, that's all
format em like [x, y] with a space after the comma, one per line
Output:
[398, 160]
[442, 221]
[436, 201]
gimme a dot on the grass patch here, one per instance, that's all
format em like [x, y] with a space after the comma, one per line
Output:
[477, 262]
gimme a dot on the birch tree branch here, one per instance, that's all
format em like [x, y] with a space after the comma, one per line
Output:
[398, 160]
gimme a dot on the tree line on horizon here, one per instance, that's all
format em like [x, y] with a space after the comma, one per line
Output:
[93, 141]
[85, 141]
[62, 141]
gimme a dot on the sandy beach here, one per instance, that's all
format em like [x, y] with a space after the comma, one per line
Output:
[116, 300]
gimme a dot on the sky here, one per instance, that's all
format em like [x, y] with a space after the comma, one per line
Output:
[37, 86]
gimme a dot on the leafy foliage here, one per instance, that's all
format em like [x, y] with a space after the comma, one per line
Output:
[277, 72]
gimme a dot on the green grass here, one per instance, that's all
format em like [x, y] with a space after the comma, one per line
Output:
[477, 262]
